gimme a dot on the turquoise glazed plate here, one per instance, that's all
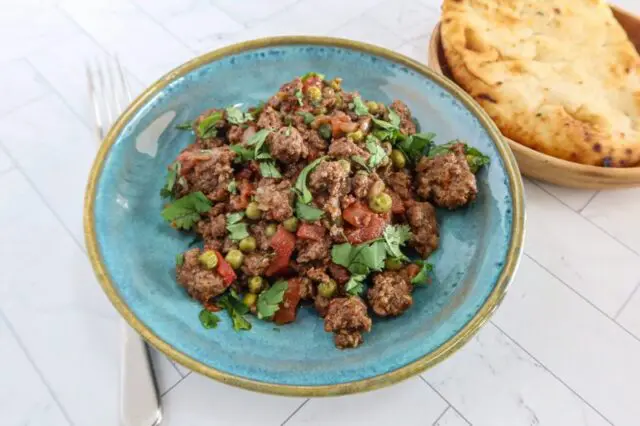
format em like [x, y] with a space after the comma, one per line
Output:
[133, 250]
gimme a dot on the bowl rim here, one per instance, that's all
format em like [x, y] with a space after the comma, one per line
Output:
[619, 173]
[442, 352]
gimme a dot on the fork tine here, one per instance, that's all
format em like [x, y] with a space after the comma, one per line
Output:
[126, 90]
[93, 95]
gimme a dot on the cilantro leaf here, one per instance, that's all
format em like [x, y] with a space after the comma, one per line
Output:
[360, 108]
[301, 183]
[187, 125]
[424, 275]
[233, 186]
[208, 319]
[377, 153]
[300, 97]
[255, 112]
[475, 158]
[186, 211]
[308, 117]
[207, 127]
[236, 116]
[394, 237]
[243, 154]
[308, 213]
[264, 156]
[268, 169]
[269, 300]
[258, 138]
[179, 259]
[359, 160]
[384, 124]
[355, 285]
[172, 175]
[312, 74]
[394, 118]
[360, 259]
[236, 310]
[416, 146]
[237, 229]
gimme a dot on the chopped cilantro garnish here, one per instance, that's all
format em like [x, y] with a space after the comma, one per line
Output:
[236, 310]
[308, 117]
[236, 116]
[186, 211]
[416, 146]
[377, 153]
[179, 259]
[300, 97]
[269, 300]
[396, 236]
[423, 277]
[233, 186]
[268, 169]
[360, 259]
[355, 285]
[360, 108]
[187, 125]
[207, 127]
[243, 154]
[208, 319]
[301, 183]
[172, 175]
[359, 160]
[394, 118]
[384, 124]
[308, 212]
[237, 229]
[312, 74]
[475, 158]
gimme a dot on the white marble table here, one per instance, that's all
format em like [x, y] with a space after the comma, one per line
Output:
[564, 348]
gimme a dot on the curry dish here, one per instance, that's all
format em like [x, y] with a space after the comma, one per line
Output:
[315, 197]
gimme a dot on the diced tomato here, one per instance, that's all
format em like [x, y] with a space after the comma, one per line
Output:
[283, 243]
[339, 273]
[367, 233]
[241, 201]
[225, 270]
[342, 125]
[290, 301]
[308, 231]
[358, 214]
[411, 270]
[397, 205]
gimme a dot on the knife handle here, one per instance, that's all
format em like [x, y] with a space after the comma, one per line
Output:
[139, 401]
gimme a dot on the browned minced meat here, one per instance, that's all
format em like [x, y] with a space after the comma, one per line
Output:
[254, 264]
[269, 119]
[330, 176]
[321, 304]
[275, 199]
[446, 179]
[258, 231]
[361, 183]
[309, 250]
[347, 316]
[318, 275]
[400, 183]
[287, 145]
[345, 148]
[207, 174]
[407, 126]
[390, 294]
[212, 230]
[307, 289]
[313, 140]
[422, 219]
[202, 284]
[339, 273]
[234, 134]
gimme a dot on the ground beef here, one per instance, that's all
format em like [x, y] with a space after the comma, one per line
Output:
[269, 119]
[287, 145]
[347, 201]
[258, 232]
[211, 142]
[234, 134]
[422, 219]
[202, 284]
[345, 148]
[317, 275]
[330, 176]
[361, 183]
[313, 140]
[254, 264]
[212, 229]
[275, 199]
[407, 126]
[331, 206]
[390, 294]
[309, 250]
[228, 245]
[291, 171]
[339, 273]
[321, 304]
[446, 179]
[307, 289]
[400, 183]
[347, 316]
[209, 170]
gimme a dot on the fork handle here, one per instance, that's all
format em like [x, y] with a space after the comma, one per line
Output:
[140, 405]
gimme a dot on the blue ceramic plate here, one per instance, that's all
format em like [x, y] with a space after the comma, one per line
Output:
[133, 250]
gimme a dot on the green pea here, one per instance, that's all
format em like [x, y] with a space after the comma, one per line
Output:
[398, 159]
[325, 131]
[247, 244]
[252, 211]
[315, 94]
[270, 230]
[255, 284]
[372, 106]
[393, 264]
[234, 258]
[381, 203]
[327, 288]
[208, 259]
[249, 299]
[291, 224]
[356, 136]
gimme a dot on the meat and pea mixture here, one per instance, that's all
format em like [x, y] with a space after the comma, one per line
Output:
[316, 197]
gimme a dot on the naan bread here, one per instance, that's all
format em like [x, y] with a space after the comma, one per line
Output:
[559, 76]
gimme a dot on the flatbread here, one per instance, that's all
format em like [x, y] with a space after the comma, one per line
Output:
[559, 76]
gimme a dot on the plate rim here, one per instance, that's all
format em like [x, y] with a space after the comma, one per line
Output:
[371, 383]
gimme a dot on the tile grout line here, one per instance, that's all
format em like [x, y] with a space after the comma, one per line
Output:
[624, 305]
[172, 387]
[580, 397]
[295, 411]
[435, 422]
[589, 201]
[585, 299]
[53, 395]
[451, 406]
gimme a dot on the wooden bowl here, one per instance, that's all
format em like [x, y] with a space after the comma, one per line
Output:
[544, 167]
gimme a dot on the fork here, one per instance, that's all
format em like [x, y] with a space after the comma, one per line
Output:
[109, 93]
